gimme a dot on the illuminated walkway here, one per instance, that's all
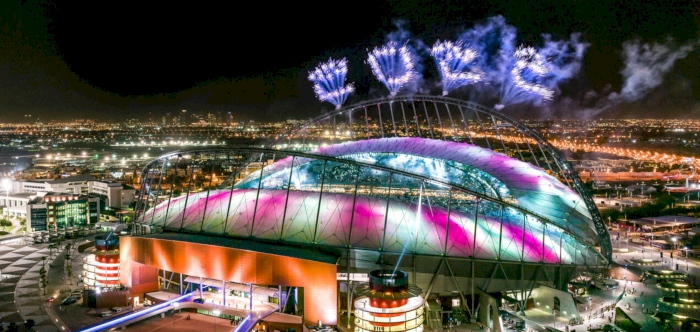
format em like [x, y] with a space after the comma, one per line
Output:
[167, 308]
[179, 322]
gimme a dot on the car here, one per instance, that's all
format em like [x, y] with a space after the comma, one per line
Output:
[106, 314]
[117, 309]
[199, 300]
[147, 304]
[69, 300]
[51, 299]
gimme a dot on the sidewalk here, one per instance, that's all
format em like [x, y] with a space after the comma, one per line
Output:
[73, 316]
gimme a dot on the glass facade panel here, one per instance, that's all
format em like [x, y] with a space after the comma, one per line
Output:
[271, 203]
[370, 209]
[512, 235]
[533, 246]
[568, 250]
[71, 213]
[487, 231]
[337, 204]
[461, 225]
[38, 217]
[551, 244]
[403, 220]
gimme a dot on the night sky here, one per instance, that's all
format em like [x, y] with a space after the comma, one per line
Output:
[126, 59]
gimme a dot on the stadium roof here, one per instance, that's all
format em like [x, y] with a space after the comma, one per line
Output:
[412, 195]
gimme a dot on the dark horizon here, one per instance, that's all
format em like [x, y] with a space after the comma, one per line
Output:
[126, 61]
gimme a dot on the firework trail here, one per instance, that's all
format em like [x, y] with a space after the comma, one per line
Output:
[329, 81]
[392, 65]
[452, 60]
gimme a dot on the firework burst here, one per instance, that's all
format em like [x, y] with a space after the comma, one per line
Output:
[392, 65]
[452, 60]
[527, 59]
[329, 82]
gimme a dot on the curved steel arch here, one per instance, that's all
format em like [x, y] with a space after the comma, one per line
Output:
[558, 165]
[480, 196]
[565, 169]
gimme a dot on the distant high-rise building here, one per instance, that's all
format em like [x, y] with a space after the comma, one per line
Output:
[230, 119]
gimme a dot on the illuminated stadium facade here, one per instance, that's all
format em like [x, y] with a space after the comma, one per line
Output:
[433, 185]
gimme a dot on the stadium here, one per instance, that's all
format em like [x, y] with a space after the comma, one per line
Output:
[473, 204]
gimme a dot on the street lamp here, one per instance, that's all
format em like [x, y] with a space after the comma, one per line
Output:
[216, 313]
[675, 248]
[175, 305]
[7, 185]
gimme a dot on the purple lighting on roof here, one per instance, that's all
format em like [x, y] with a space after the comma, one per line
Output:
[524, 213]
[369, 217]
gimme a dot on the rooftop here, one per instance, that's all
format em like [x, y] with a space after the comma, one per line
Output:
[326, 256]
[81, 177]
[665, 221]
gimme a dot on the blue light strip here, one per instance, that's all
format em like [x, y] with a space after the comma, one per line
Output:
[242, 323]
[133, 315]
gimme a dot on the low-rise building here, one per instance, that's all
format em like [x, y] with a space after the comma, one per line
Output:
[53, 212]
[15, 204]
[114, 193]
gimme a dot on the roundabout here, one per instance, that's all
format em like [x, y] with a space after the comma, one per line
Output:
[646, 262]
[624, 251]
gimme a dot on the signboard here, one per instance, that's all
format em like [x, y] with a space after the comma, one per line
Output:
[360, 277]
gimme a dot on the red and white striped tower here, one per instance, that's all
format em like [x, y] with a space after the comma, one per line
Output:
[389, 304]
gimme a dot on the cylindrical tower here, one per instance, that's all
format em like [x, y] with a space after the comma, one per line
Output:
[101, 269]
[388, 304]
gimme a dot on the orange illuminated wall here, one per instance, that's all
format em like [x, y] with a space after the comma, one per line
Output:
[208, 261]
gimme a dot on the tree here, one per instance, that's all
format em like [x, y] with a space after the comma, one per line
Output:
[13, 327]
[69, 272]
[42, 274]
[68, 265]
[58, 243]
[687, 325]
[29, 324]
[5, 223]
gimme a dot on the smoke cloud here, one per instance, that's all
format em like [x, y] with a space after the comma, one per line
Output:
[645, 67]
[496, 42]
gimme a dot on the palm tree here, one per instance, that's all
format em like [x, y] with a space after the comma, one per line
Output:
[29, 324]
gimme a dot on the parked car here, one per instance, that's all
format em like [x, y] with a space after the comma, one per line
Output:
[69, 300]
[106, 314]
[51, 299]
[199, 300]
[117, 309]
